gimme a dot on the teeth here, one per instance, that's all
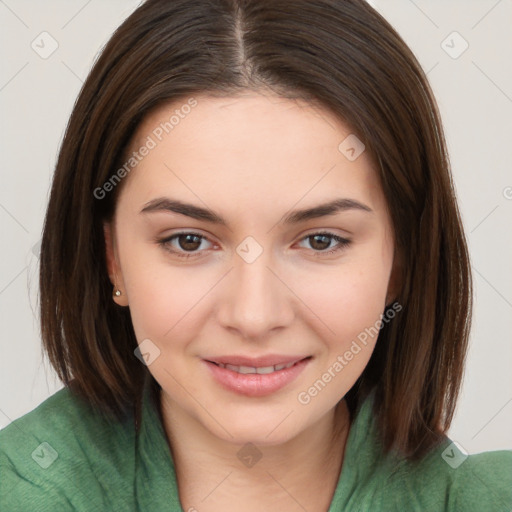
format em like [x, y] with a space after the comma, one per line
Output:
[266, 369]
[245, 369]
[261, 370]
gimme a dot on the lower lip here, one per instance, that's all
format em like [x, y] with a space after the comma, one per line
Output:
[255, 384]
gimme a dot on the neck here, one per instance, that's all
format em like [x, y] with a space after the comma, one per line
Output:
[212, 474]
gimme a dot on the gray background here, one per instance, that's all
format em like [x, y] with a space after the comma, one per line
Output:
[474, 91]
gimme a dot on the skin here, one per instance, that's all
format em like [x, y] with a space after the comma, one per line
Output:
[252, 159]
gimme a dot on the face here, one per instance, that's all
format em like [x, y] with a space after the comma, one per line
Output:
[224, 257]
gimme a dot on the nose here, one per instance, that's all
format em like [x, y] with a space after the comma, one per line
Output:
[255, 300]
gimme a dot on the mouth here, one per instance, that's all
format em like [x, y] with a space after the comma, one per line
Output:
[257, 380]
[260, 370]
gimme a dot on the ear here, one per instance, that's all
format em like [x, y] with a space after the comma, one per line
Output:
[395, 279]
[113, 267]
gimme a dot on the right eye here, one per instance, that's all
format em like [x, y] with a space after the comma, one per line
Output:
[186, 246]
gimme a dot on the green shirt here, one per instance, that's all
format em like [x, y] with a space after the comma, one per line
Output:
[64, 456]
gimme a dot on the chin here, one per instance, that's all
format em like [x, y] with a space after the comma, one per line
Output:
[270, 432]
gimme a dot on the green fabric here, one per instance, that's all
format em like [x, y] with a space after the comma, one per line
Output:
[105, 466]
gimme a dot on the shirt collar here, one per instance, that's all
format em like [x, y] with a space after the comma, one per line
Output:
[155, 475]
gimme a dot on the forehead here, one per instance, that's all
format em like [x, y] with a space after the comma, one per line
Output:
[249, 149]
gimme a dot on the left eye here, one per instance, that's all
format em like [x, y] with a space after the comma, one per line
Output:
[324, 239]
[189, 243]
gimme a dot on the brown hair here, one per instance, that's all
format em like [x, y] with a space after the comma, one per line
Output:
[339, 53]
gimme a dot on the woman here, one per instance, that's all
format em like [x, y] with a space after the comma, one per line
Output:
[254, 280]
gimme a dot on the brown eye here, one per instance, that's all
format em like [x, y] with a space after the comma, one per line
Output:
[189, 242]
[184, 244]
[321, 242]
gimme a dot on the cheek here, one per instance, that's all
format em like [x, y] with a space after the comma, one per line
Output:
[164, 301]
[162, 297]
[348, 297]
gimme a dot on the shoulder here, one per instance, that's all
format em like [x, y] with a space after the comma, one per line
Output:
[53, 457]
[451, 480]
[484, 482]
[445, 479]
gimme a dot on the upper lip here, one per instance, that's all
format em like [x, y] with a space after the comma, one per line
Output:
[256, 362]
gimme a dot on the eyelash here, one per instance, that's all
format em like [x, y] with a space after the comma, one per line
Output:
[342, 243]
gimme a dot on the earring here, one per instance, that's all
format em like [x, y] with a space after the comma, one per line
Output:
[117, 291]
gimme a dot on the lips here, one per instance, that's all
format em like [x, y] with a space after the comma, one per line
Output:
[256, 377]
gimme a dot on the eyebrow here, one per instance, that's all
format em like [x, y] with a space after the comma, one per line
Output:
[165, 204]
